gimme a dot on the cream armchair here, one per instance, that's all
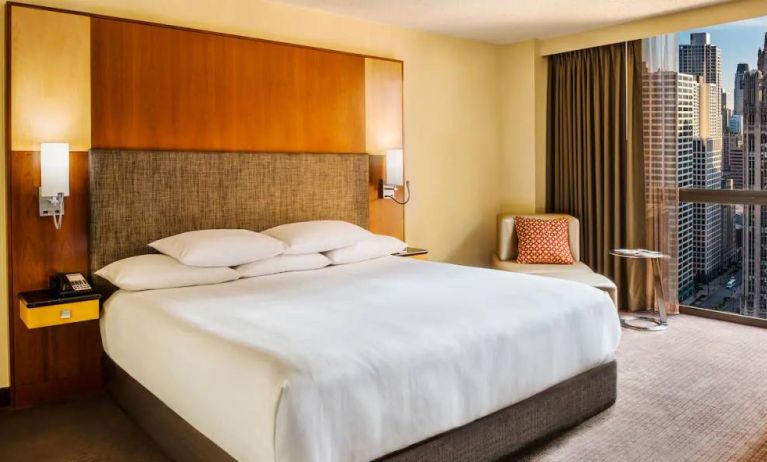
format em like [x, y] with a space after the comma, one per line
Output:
[505, 257]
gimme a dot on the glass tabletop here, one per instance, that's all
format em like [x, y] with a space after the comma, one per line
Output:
[637, 253]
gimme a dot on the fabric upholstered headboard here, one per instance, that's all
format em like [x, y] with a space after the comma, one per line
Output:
[137, 197]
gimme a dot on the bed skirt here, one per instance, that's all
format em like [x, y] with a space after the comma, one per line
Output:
[490, 438]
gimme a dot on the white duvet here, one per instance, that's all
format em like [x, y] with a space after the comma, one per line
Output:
[349, 363]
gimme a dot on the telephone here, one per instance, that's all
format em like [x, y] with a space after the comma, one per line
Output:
[68, 284]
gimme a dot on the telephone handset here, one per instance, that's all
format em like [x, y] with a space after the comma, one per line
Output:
[68, 284]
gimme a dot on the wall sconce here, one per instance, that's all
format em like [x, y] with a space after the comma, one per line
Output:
[387, 188]
[54, 180]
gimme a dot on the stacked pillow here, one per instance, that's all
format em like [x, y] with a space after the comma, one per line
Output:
[283, 263]
[317, 236]
[207, 256]
[375, 246]
[156, 271]
[340, 242]
[219, 247]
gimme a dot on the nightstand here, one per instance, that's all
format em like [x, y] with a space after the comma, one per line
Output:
[44, 308]
[414, 252]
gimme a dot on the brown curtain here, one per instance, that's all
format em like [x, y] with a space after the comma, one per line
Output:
[595, 166]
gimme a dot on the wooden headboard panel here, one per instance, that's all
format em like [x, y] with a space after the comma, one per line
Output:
[137, 197]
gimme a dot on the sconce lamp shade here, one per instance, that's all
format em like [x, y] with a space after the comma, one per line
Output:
[395, 167]
[54, 169]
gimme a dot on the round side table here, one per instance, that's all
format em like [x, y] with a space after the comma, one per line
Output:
[641, 322]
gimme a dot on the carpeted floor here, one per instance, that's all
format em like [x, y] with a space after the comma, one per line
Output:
[92, 430]
[696, 392]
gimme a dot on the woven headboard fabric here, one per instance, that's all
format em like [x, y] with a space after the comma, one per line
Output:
[137, 197]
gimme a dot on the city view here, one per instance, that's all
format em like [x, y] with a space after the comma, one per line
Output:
[719, 126]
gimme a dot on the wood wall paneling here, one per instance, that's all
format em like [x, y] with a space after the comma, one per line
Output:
[164, 88]
[50, 71]
[63, 361]
[383, 131]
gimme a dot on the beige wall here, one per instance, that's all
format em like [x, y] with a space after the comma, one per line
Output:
[523, 147]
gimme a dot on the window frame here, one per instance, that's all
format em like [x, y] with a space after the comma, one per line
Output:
[723, 197]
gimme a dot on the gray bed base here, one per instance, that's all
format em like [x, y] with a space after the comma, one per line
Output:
[496, 436]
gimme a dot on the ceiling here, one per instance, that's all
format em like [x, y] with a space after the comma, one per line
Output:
[502, 21]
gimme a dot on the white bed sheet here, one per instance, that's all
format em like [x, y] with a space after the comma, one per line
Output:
[349, 363]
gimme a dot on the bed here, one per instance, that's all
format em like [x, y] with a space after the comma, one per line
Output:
[392, 358]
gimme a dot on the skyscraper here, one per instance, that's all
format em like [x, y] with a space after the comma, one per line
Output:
[726, 113]
[755, 177]
[727, 171]
[674, 100]
[687, 114]
[740, 74]
[702, 60]
[735, 150]
[729, 250]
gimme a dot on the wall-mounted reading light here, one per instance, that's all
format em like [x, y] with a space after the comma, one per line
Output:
[387, 188]
[54, 180]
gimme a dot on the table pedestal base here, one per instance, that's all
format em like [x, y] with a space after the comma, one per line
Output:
[641, 323]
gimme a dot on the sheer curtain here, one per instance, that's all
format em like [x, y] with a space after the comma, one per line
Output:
[664, 100]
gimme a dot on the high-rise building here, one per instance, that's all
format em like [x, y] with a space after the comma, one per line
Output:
[702, 60]
[735, 146]
[670, 104]
[726, 113]
[687, 114]
[755, 177]
[728, 238]
[727, 172]
[729, 249]
[734, 142]
[740, 74]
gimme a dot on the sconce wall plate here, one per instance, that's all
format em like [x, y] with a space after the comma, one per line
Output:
[386, 191]
[49, 206]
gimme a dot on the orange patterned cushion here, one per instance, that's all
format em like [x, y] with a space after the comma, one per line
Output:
[543, 241]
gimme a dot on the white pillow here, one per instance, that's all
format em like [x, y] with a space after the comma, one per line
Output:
[155, 271]
[219, 247]
[282, 263]
[317, 236]
[374, 247]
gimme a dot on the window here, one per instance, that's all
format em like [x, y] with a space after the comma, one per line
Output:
[716, 158]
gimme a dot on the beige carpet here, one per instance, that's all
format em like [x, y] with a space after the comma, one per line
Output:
[695, 392]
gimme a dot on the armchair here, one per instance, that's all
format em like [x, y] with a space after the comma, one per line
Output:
[505, 256]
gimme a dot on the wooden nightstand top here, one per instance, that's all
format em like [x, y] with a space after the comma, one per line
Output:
[47, 297]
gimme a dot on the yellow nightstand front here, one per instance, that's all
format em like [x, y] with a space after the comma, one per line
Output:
[57, 312]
